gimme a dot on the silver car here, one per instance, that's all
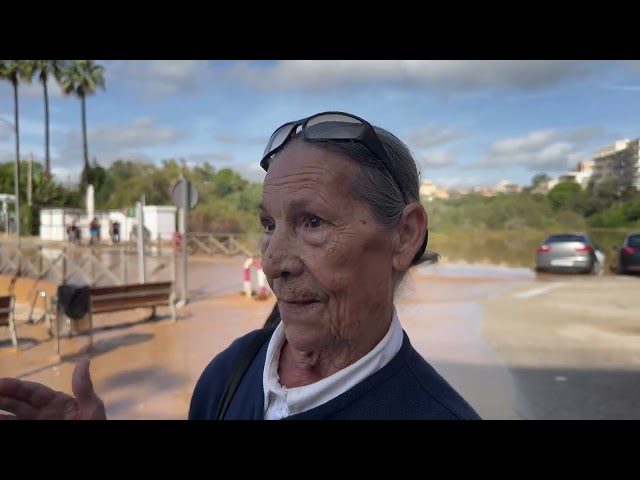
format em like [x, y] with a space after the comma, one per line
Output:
[569, 253]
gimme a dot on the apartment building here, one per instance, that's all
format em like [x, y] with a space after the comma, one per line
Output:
[506, 186]
[582, 174]
[429, 191]
[619, 161]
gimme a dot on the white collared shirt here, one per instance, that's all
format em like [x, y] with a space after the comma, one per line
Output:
[280, 402]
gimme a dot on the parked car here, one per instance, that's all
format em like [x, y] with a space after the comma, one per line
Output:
[627, 258]
[569, 253]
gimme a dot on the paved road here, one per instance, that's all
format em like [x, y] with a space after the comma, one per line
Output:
[572, 345]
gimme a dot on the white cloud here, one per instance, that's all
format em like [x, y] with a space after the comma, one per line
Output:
[6, 131]
[108, 143]
[35, 90]
[31, 90]
[253, 173]
[65, 175]
[623, 88]
[226, 137]
[462, 182]
[223, 137]
[225, 156]
[7, 155]
[542, 150]
[634, 64]
[439, 75]
[142, 131]
[531, 142]
[431, 135]
[8, 152]
[437, 159]
[29, 127]
[155, 78]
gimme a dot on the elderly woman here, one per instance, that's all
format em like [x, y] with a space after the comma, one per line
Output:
[343, 225]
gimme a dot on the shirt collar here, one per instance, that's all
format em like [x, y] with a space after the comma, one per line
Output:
[305, 398]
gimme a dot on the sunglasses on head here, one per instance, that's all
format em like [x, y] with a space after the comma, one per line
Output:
[337, 126]
[334, 126]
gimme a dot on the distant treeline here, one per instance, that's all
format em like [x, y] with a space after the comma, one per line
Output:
[566, 206]
[228, 202]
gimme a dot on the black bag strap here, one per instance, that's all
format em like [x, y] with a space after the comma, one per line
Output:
[241, 369]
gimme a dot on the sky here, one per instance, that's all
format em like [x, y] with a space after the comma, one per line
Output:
[469, 123]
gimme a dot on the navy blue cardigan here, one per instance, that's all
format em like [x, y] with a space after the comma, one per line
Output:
[407, 388]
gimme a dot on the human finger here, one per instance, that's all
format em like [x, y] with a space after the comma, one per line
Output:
[90, 406]
[82, 385]
[16, 407]
[33, 393]
[25, 398]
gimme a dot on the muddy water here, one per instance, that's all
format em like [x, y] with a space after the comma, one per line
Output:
[147, 370]
[442, 312]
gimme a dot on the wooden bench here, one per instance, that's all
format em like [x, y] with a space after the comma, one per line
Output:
[123, 297]
[7, 316]
[127, 297]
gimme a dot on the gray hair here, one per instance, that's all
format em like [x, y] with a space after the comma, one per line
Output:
[374, 185]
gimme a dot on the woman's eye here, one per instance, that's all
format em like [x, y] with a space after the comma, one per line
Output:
[314, 222]
[268, 226]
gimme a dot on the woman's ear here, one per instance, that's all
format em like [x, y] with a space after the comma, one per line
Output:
[410, 236]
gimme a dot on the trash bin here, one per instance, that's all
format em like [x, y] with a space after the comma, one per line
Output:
[73, 308]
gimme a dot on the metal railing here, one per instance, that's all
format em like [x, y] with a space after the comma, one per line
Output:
[47, 310]
[226, 244]
[92, 266]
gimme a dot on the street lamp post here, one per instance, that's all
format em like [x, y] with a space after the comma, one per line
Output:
[16, 180]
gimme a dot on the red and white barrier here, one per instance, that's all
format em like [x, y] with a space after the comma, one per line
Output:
[255, 262]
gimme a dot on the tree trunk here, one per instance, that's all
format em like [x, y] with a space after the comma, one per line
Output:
[47, 157]
[85, 172]
[16, 125]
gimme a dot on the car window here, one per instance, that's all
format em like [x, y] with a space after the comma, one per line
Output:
[565, 238]
[634, 241]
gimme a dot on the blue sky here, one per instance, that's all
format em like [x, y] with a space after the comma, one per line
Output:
[469, 123]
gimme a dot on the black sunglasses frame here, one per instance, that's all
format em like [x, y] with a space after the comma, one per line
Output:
[368, 138]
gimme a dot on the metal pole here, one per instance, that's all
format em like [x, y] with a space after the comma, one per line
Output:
[30, 181]
[123, 263]
[141, 266]
[185, 237]
[16, 177]
[5, 214]
[174, 274]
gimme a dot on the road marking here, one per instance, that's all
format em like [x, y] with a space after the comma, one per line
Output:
[537, 291]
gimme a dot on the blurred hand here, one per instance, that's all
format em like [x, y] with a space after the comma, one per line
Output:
[35, 401]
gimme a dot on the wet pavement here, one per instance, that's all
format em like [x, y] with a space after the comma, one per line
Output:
[455, 316]
[572, 344]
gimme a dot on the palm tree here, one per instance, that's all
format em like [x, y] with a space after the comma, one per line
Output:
[82, 78]
[14, 71]
[45, 69]
[45, 191]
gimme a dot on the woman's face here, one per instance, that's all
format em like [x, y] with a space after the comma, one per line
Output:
[328, 262]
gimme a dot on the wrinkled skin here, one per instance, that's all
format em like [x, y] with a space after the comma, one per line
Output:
[26, 400]
[332, 268]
